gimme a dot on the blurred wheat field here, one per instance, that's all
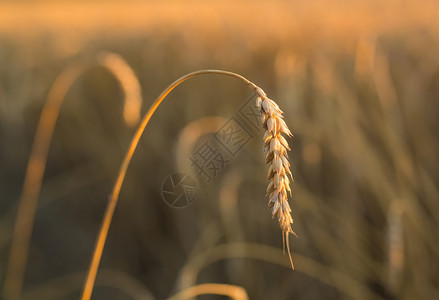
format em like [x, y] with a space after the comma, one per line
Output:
[358, 82]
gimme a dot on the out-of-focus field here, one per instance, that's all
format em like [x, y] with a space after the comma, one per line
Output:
[358, 82]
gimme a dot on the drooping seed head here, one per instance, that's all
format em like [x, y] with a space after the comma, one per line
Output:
[275, 147]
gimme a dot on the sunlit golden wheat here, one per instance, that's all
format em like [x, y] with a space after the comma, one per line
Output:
[37, 162]
[112, 202]
[275, 149]
[232, 291]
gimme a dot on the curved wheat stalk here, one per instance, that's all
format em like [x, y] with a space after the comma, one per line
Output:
[349, 286]
[62, 287]
[231, 291]
[129, 83]
[37, 161]
[108, 215]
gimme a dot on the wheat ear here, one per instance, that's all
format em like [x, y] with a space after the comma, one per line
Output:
[114, 197]
[276, 157]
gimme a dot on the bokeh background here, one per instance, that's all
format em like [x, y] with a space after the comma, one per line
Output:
[358, 82]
